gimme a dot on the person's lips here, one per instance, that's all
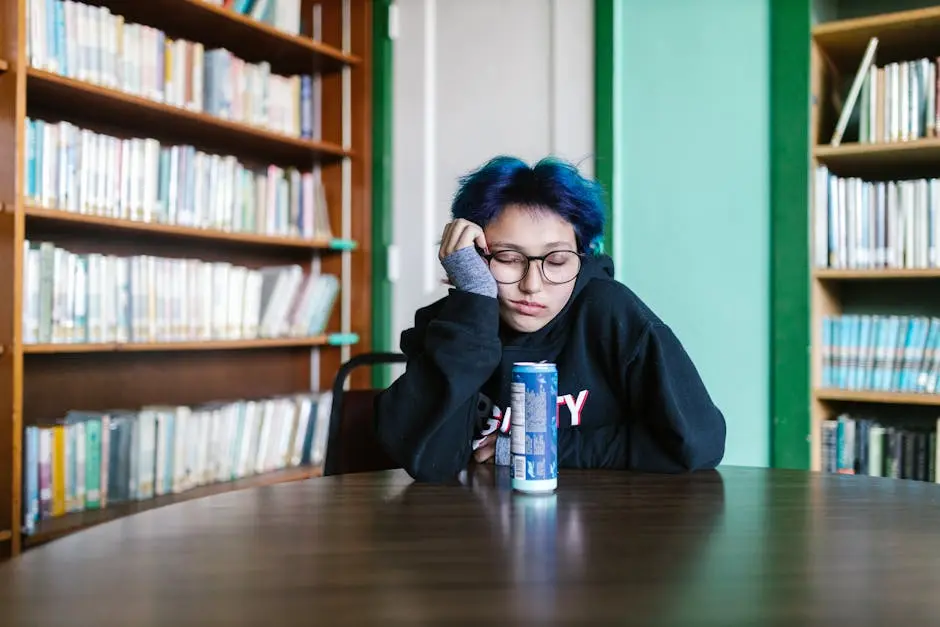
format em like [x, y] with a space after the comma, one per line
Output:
[527, 307]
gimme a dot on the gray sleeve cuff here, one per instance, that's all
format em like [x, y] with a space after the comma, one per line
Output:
[468, 271]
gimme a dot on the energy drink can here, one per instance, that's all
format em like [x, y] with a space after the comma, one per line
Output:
[534, 433]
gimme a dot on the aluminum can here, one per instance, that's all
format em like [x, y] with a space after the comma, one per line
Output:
[534, 426]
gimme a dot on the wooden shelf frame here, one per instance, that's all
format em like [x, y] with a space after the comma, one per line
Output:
[861, 159]
[69, 219]
[877, 397]
[104, 376]
[901, 34]
[879, 274]
[836, 51]
[151, 347]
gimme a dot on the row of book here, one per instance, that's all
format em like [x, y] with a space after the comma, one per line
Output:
[281, 14]
[74, 169]
[898, 101]
[71, 297]
[881, 352]
[861, 224]
[92, 44]
[856, 445]
[91, 459]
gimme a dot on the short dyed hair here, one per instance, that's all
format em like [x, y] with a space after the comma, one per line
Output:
[551, 183]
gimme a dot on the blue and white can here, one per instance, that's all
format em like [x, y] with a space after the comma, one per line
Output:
[534, 432]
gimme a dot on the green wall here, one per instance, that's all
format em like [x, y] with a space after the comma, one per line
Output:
[691, 191]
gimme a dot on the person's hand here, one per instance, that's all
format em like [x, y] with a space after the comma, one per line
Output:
[460, 234]
[486, 450]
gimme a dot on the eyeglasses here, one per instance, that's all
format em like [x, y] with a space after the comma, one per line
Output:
[557, 267]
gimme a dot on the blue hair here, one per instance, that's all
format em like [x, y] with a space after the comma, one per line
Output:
[551, 183]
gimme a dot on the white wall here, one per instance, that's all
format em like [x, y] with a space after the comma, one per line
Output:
[473, 79]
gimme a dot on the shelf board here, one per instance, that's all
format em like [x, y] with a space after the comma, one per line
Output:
[877, 396]
[862, 158]
[830, 274]
[150, 347]
[5, 535]
[175, 124]
[901, 35]
[249, 39]
[71, 219]
[53, 528]
[4, 66]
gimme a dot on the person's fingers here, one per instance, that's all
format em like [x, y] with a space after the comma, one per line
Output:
[445, 239]
[481, 242]
[485, 452]
[453, 236]
[469, 234]
[461, 234]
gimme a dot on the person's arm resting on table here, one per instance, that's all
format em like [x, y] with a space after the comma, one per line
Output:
[427, 417]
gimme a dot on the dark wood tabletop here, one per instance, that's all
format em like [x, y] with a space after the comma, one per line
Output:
[737, 546]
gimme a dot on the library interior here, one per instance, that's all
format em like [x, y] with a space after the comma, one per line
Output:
[219, 217]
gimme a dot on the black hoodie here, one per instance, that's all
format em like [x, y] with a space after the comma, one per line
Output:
[629, 396]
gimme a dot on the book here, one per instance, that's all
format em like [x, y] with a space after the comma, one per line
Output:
[850, 102]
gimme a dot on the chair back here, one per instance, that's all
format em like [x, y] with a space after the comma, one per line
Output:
[353, 445]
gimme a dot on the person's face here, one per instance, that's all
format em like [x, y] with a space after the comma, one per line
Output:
[529, 304]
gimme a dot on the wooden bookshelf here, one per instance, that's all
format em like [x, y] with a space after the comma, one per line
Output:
[868, 280]
[217, 199]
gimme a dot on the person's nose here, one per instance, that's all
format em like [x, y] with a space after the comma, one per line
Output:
[532, 282]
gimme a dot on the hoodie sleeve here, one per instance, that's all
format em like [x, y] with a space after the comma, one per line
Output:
[674, 425]
[426, 419]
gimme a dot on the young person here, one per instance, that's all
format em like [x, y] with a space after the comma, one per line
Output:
[530, 285]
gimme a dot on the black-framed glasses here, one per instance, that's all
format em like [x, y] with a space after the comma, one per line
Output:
[557, 267]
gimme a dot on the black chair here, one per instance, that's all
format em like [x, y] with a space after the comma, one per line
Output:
[353, 445]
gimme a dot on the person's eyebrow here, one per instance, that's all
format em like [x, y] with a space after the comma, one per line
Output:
[559, 245]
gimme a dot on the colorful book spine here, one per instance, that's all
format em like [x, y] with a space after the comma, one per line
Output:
[889, 353]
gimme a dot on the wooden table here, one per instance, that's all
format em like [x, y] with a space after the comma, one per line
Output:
[733, 547]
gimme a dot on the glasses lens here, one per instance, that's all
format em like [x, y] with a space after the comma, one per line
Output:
[508, 267]
[561, 267]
